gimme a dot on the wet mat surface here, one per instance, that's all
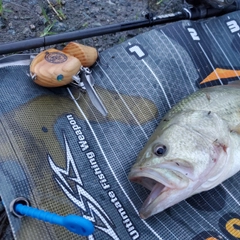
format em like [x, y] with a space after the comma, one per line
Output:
[65, 157]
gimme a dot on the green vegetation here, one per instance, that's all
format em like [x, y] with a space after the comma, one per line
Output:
[61, 14]
[57, 8]
[2, 9]
[46, 19]
[159, 2]
[121, 39]
[84, 25]
[47, 29]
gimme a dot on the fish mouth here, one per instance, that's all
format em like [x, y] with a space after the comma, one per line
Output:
[148, 177]
[160, 188]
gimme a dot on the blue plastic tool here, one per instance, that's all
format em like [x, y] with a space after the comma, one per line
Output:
[73, 223]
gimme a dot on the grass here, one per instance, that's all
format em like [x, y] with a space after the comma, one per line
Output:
[61, 14]
[49, 24]
[159, 2]
[84, 25]
[121, 39]
[2, 9]
[57, 8]
[47, 29]
[46, 18]
[59, 2]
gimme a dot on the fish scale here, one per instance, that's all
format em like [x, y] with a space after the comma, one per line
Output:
[223, 100]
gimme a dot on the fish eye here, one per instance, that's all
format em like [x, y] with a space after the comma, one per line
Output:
[160, 149]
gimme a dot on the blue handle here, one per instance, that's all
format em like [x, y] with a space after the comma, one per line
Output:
[73, 223]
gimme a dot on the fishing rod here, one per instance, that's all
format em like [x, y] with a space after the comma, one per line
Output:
[196, 12]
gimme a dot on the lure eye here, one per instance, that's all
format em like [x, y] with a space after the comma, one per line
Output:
[160, 150]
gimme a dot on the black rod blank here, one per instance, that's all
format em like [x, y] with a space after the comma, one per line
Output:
[81, 34]
[193, 13]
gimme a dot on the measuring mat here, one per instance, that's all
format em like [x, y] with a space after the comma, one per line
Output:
[59, 152]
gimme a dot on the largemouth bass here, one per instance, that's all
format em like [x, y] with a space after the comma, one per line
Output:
[195, 147]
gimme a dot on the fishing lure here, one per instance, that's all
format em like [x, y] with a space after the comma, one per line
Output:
[55, 68]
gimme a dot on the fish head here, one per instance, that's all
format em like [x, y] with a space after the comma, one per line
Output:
[177, 159]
